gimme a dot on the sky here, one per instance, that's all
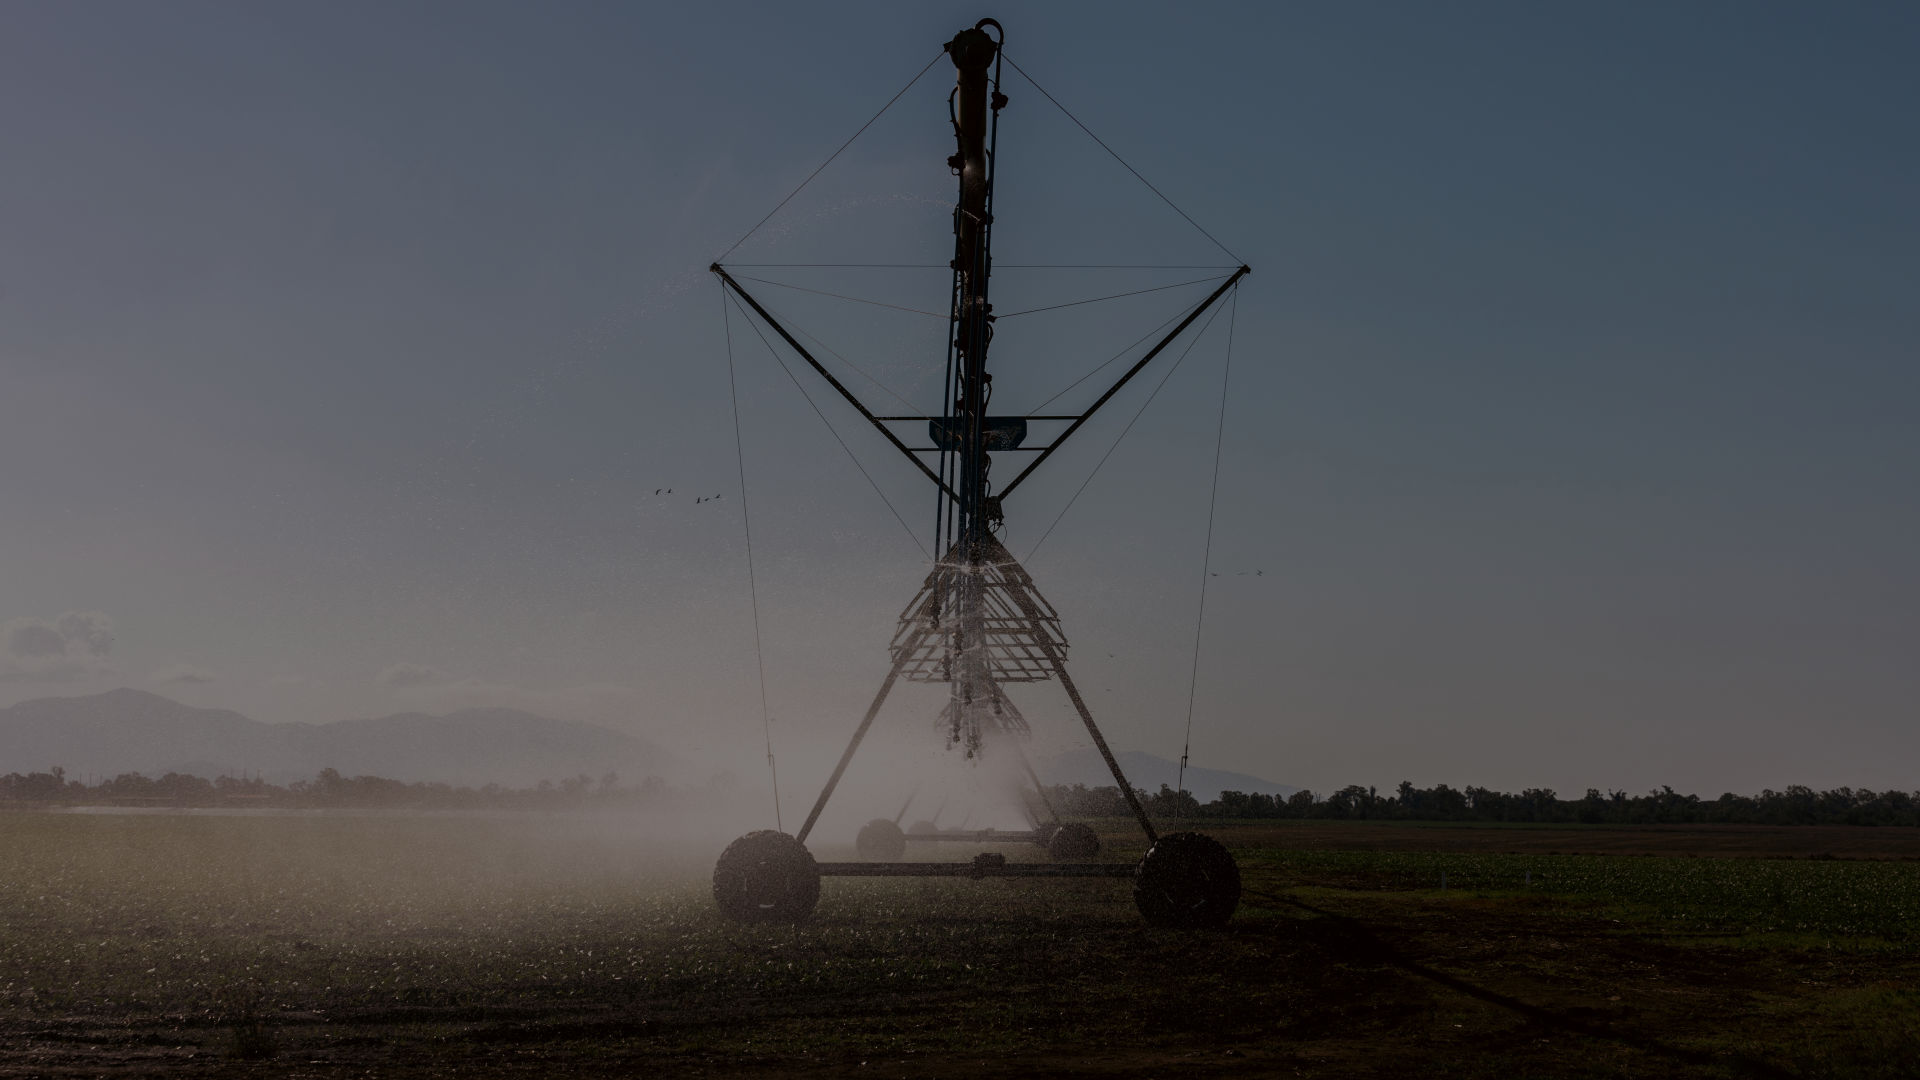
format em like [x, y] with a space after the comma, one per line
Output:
[1569, 436]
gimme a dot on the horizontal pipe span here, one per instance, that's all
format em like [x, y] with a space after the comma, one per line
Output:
[977, 838]
[974, 870]
[1001, 450]
[1074, 416]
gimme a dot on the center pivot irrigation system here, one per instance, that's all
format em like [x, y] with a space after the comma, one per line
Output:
[977, 622]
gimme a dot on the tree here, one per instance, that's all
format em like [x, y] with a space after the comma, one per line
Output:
[1170, 804]
[1300, 804]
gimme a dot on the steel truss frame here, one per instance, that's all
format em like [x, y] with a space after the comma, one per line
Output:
[978, 621]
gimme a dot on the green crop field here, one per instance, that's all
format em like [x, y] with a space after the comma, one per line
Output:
[342, 944]
[1853, 901]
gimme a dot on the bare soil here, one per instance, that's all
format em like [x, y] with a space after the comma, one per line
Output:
[1020, 978]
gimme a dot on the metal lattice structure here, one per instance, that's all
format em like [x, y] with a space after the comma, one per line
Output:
[1018, 631]
[978, 622]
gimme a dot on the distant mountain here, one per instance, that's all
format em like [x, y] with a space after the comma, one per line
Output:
[1147, 772]
[133, 731]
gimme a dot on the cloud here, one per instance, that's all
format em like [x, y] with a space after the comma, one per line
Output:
[404, 675]
[68, 647]
[182, 673]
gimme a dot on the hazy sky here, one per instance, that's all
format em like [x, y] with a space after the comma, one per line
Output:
[1573, 409]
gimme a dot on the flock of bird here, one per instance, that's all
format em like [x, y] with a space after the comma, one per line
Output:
[698, 501]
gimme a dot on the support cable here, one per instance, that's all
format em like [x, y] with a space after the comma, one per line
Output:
[771, 351]
[918, 413]
[1111, 266]
[998, 266]
[855, 299]
[1206, 558]
[753, 587]
[1123, 432]
[1116, 157]
[837, 153]
[838, 266]
[1114, 296]
[1104, 364]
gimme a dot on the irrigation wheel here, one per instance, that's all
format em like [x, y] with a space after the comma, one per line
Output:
[1187, 881]
[1073, 840]
[766, 877]
[880, 840]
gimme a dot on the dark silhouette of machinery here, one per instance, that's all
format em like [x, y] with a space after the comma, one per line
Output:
[978, 622]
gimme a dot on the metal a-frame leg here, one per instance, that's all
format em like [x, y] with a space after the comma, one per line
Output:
[1058, 663]
[1055, 661]
[859, 733]
[1120, 778]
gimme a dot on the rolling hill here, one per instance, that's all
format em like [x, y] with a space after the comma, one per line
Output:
[1146, 772]
[124, 731]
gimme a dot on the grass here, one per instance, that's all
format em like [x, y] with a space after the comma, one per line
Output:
[1821, 899]
[426, 945]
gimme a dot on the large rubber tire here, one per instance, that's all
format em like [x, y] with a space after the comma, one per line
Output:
[880, 840]
[1074, 840]
[1187, 881]
[766, 877]
[1043, 835]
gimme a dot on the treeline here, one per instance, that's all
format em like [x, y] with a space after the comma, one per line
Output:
[327, 790]
[1796, 805]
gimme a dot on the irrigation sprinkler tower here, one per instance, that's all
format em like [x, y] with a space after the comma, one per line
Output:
[977, 622]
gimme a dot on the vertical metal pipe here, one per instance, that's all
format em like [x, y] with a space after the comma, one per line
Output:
[973, 53]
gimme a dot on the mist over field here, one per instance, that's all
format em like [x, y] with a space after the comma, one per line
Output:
[1227, 540]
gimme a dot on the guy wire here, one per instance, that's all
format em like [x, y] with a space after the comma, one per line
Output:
[1081, 490]
[843, 146]
[1206, 558]
[753, 589]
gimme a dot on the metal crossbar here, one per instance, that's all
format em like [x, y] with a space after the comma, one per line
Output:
[976, 870]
